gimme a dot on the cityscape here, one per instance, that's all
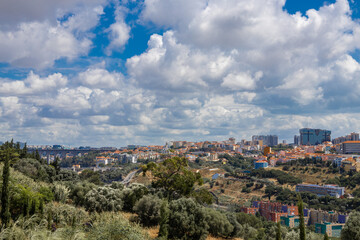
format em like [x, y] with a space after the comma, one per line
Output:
[180, 119]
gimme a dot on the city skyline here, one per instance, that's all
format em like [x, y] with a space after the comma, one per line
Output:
[112, 73]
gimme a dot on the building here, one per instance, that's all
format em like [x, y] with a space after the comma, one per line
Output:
[350, 147]
[261, 164]
[332, 229]
[296, 140]
[292, 221]
[268, 140]
[310, 136]
[332, 190]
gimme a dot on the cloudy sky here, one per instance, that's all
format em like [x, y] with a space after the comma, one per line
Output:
[112, 73]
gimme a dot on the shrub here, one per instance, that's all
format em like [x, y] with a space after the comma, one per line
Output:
[61, 192]
[187, 220]
[66, 215]
[218, 223]
[79, 191]
[103, 199]
[113, 227]
[117, 185]
[133, 194]
[148, 210]
[351, 229]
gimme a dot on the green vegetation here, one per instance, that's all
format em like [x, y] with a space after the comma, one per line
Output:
[280, 176]
[351, 229]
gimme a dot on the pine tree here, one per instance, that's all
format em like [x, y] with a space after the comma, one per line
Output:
[302, 222]
[278, 231]
[164, 218]
[5, 208]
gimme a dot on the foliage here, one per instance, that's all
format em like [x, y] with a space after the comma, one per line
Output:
[35, 170]
[164, 220]
[114, 227]
[203, 196]
[302, 223]
[218, 223]
[61, 192]
[281, 176]
[174, 176]
[91, 176]
[117, 185]
[132, 194]
[148, 210]
[66, 215]
[351, 229]
[78, 192]
[6, 155]
[66, 175]
[187, 220]
[103, 199]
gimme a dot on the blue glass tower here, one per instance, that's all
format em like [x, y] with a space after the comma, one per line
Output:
[310, 136]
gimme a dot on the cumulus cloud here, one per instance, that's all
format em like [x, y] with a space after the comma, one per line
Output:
[215, 68]
[37, 39]
[119, 32]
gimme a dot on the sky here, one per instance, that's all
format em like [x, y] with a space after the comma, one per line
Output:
[113, 73]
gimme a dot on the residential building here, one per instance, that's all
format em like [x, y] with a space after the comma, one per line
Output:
[261, 164]
[310, 136]
[350, 147]
[332, 229]
[268, 140]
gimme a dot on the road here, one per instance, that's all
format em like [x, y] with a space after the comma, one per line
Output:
[128, 178]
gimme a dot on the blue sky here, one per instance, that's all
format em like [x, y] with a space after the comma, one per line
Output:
[106, 72]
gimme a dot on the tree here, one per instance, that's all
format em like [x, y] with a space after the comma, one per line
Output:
[278, 231]
[164, 220]
[7, 154]
[351, 229]
[326, 237]
[174, 176]
[302, 222]
[187, 220]
[148, 210]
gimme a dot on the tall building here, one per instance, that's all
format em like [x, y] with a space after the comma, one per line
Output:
[296, 140]
[268, 140]
[309, 136]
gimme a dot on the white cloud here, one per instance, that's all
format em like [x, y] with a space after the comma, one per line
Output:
[119, 32]
[101, 78]
[33, 84]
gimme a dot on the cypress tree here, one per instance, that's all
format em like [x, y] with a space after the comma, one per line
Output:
[164, 218]
[302, 222]
[26, 207]
[5, 208]
[37, 155]
[41, 206]
[278, 231]
[33, 207]
[49, 220]
[326, 237]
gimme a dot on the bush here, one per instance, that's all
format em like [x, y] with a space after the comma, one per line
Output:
[61, 192]
[35, 170]
[133, 194]
[148, 210]
[218, 223]
[79, 191]
[187, 220]
[113, 227]
[66, 215]
[351, 229]
[103, 199]
[66, 175]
